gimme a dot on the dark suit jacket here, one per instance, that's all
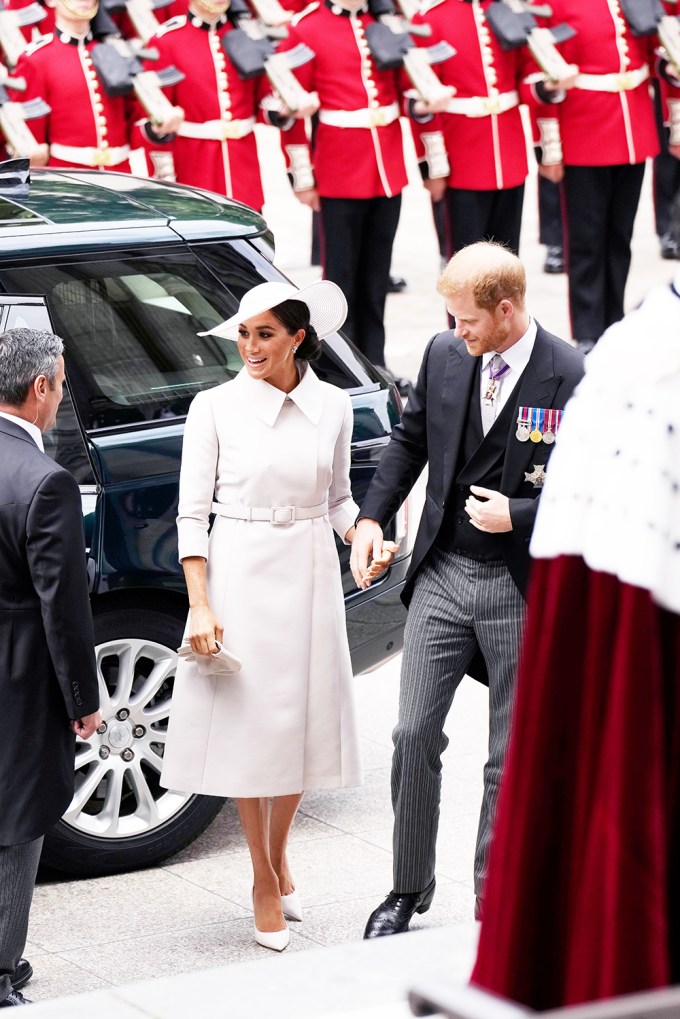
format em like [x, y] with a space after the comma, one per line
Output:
[431, 431]
[47, 665]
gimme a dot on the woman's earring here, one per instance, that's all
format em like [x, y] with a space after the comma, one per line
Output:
[294, 349]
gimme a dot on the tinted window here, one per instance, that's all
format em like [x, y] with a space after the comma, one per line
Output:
[130, 328]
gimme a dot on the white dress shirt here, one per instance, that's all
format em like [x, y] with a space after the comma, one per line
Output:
[517, 357]
[28, 426]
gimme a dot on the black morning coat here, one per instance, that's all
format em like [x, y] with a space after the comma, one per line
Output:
[47, 664]
[431, 432]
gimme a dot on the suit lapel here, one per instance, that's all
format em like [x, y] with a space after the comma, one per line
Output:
[536, 388]
[460, 375]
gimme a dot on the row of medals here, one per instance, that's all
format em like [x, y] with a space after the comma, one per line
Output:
[524, 433]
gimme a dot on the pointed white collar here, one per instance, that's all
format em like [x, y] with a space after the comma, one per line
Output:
[266, 401]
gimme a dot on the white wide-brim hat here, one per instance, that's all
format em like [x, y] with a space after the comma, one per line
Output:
[326, 302]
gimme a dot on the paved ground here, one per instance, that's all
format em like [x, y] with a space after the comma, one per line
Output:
[193, 913]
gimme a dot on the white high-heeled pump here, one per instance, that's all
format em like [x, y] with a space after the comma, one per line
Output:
[291, 906]
[276, 940]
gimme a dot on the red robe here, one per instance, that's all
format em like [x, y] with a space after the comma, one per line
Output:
[582, 899]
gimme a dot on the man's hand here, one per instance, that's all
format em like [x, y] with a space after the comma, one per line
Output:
[367, 543]
[490, 512]
[87, 725]
[172, 124]
[307, 108]
[40, 156]
[437, 187]
[310, 198]
[437, 104]
[564, 84]
[552, 171]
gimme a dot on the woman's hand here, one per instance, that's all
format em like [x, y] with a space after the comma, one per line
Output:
[380, 563]
[204, 630]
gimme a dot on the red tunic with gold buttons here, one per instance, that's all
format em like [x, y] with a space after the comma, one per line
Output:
[484, 133]
[86, 127]
[215, 147]
[349, 161]
[608, 118]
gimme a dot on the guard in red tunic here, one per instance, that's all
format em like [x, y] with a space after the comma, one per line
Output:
[608, 131]
[214, 147]
[354, 172]
[86, 128]
[483, 130]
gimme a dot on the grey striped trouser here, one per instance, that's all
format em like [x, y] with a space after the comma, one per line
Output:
[459, 606]
[18, 868]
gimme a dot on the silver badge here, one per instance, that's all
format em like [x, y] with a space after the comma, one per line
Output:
[537, 477]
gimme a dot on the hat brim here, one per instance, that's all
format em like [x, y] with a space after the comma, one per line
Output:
[327, 310]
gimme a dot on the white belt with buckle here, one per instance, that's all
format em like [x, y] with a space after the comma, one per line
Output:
[276, 515]
[379, 116]
[624, 82]
[483, 106]
[87, 155]
[217, 130]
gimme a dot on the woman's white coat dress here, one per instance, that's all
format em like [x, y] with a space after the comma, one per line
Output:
[285, 723]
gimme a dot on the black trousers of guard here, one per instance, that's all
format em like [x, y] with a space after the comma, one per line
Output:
[666, 186]
[666, 173]
[483, 216]
[550, 230]
[601, 203]
[357, 236]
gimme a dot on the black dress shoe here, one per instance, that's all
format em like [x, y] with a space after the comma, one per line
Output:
[14, 998]
[395, 914]
[396, 285]
[554, 259]
[668, 246]
[22, 974]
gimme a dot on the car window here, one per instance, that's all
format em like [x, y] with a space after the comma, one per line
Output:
[66, 445]
[130, 329]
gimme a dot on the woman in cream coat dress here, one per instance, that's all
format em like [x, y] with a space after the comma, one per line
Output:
[272, 448]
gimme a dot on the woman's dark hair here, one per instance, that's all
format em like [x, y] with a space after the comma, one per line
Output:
[294, 315]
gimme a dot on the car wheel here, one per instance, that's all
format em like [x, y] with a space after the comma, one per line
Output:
[120, 817]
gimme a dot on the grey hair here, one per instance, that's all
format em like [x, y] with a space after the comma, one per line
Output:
[24, 355]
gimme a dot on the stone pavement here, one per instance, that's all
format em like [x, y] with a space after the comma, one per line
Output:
[193, 913]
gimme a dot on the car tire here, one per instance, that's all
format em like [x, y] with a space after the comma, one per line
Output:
[105, 832]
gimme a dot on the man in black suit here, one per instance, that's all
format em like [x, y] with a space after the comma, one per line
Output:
[483, 416]
[48, 676]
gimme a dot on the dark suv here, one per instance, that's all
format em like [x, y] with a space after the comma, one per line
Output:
[128, 272]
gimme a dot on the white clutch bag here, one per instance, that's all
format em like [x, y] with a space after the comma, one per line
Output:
[220, 663]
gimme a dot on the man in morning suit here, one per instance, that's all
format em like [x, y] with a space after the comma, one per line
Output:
[48, 676]
[482, 416]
